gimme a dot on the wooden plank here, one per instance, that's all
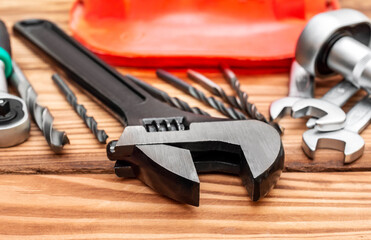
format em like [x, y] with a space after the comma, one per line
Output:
[85, 155]
[303, 205]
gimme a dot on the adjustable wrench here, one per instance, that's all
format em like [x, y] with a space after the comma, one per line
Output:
[301, 87]
[163, 146]
[14, 118]
[347, 139]
[328, 108]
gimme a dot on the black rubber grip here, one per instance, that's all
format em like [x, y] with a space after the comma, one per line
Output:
[4, 38]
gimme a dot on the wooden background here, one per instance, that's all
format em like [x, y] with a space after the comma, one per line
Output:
[76, 195]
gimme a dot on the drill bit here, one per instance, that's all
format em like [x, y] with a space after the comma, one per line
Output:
[214, 88]
[211, 101]
[249, 108]
[80, 109]
[163, 96]
[44, 120]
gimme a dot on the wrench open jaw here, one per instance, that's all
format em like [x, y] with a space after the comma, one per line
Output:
[338, 95]
[330, 116]
[169, 161]
[347, 139]
[301, 86]
[282, 107]
[350, 143]
[162, 145]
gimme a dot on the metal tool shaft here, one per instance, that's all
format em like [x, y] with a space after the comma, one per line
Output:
[44, 120]
[338, 95]
[80, 109]
[241, 102]
[358, 117]
[3, 83]
[249, 108]
[163, 96]
[214, 88]
[194, 92]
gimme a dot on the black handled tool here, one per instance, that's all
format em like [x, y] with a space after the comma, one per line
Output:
[163, 146]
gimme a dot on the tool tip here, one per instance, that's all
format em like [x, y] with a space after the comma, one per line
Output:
[102, 136]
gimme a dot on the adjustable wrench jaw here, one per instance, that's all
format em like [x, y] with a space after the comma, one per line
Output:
[169, 161]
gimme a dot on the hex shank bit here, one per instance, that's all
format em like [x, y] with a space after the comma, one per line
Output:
[90, 122]
[247, 107]
[194, 92]
[163, 96]
[44, 120]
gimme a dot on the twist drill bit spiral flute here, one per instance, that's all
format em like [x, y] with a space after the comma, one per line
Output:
[163, 96]
[214, 88]
[194, 92]
[44, 120]
[80, 109]
[250, 109]
[247, 107]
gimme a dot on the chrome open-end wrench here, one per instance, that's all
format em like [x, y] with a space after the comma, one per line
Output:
[337, 95]
[327, 111]
[301, 86]
[163, 146]
[347, 139]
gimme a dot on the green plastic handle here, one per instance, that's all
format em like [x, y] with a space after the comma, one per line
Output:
[7, 60]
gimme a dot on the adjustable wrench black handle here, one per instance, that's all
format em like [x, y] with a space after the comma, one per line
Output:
[130, 103]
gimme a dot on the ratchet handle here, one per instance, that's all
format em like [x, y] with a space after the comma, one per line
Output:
[5, 52]
[4, 38]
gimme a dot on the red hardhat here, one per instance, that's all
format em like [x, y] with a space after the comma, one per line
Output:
[257, 34]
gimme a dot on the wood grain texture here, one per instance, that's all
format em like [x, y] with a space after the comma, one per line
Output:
[65, 205]
[101, 206]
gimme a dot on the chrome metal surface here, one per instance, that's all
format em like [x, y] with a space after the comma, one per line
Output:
[346, 140]
[337, 95]
[301, 86]
[43, 119]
